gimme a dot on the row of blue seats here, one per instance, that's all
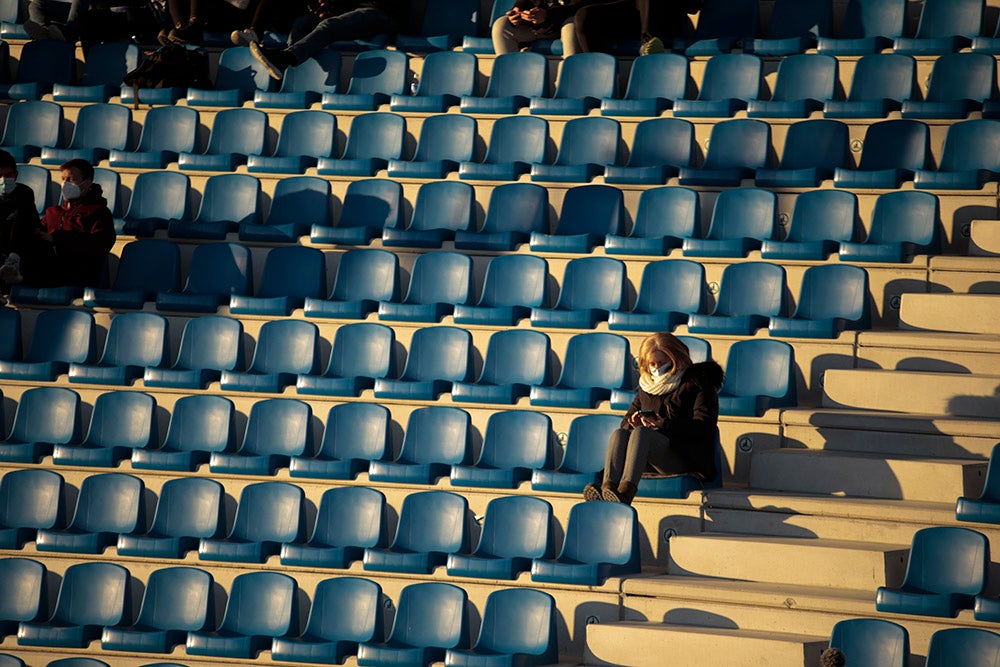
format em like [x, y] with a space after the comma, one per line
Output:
[346, 617]
[435, 528]
[876, 641]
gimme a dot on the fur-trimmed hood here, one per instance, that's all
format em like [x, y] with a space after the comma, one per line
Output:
[706, 374]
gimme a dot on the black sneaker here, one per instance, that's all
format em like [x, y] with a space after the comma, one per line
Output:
[275, 61]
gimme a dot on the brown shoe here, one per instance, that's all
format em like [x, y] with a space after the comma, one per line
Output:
[610, 495]
[626, 492]
[592, 492]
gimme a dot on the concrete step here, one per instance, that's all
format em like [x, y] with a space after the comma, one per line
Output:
[984, 237]
[795, 561]
[866, 475]
[929, 351]
[654, 644]
[959, 394]
[963, 313]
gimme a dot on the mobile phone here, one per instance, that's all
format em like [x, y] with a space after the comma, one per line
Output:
[647, 412]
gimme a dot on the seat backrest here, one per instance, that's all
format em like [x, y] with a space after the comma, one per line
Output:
[880, 76]
[823, 215]
[378, 71]
[169, 128]
[239, 70]
[231, 197]
[350, 516]
[300, 199]
[743, 213]
[596, 360]
[260, 604]
[731, 76]
[362, 349]
[795, 18]
[374, 203]
[440, 277]
[312, 133]
[444, 205]
[751, 288]
[872, 642]
[517, 207]
[805, 76]
[451, 18]
[64, 335]
[107, 63]
[149, 265]
[136, 339]
[587, 442]
[517, 139]
[590, 140]
[873, 18]
[346, 609]
[23, 580]
[517, 527]
[279, 426]
[601, 533]
[447, 73]
[516, 357]
[833, 290]
[47, 61]
[38, 179]
[159, 194]
[11, 345]
[726, 18]
[432, 521]
[962, 646]
[822, 143]
[92, 594]
[110, 184]
[430, 614]
[587, 75]
[102, 126]
[658, 75]
[31, 498]
[905, 216]
[203, 422]
[514, 280]
[293, 271]
[108, 503]
[239, 131]
[962, 76]
[356, 431]
[189, 507]
[592, 282]
[211, 342]
[667, 211]
[33, 123]
[947, 18]
[220, 268]
[437, 434]
[740, 142]
[662, 141]
[896, 144]
[375, 135]
[520, 621]
[47, 414]
[971, 144]
[366, 274]
[439, 353]
[446, 137]
[123, 419]
[759, 368]
[948, 560]
[269, 512]
[592, 209]
[687, 287]
[517, 439]
[523, 73]
[320, 72]
[177, 598]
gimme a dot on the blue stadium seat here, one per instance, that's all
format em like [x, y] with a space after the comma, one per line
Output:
[345, 612]
[188, 509]
[589, 213]
[442, 26]
[28, 578]
[304, 84]
[45, 417]
[375, 139]
[760, 374]
[8, 660]
[350, 520]
[438, 282]
[227, 201]
[441, 209]
[135, 341]
[445, 77]
[92, 596]
[99, 128]
[277, 428]
[438, 357]
[376, 76]
[593, 365]
[236, 134]
[962, 646]
[13, 15]
[476, 43]
[893, 151]
[209, 345]
[355, 434]
[946, 571]
[370, 205]
[591, 287]
[729, 82]
[519, 628]
[430, 618]
[741, 220]
[157, 198]
[880, 83]
[872, 642]
[664, 217]
[41, 65]
[602, 540]
[657, 309]
[432, 524]
[111, 186]
[749, 294]
[987, 44]
[584, 80]
[31, 126]
[722, 26]
[436, 438]
[832, 298]
[268, 515]
[291, 274]
[821, 220]
[583, 456]
[10, 334]
[514, 212]
[661, 146]
[445, 141]
[61, 337]
[944, 27]
[515, 79]
[361, 353]
[121, 422]
[516, 142]
[516, 442]
[30, 500]
[217, 271]
[306, 136]
[364, 278]
[655, 82]
[514, 284]
[177, 600]
[515, 360]
[37, 178]
[238, 76]
[795, 27]
[109, 505]
[515, 530]
[167, 132]
[803, 83]
[298, 203]
[199, 424]
[736, 149]
[587, 145]
[262, 606]
[814, 150]
[904, 223]
[985, 508]
[868, 27]
[959, 84]
[969, 160]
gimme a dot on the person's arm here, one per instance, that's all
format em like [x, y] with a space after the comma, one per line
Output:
[98, 238]
[629, 414]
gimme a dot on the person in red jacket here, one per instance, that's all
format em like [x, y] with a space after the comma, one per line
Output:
[79, 232]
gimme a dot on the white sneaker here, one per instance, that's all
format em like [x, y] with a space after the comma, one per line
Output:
[244, 37]
[10, 272]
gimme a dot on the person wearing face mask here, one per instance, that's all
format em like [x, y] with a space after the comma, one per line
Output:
[80, 231]
[670, 428]
[18, 220]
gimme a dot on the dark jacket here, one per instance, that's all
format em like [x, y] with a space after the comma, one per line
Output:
[556, 13]
[690, 413]
[18, 219]
[83, 233]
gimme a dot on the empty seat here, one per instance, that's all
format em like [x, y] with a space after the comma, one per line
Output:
[92, 596]
[364, 278]
[188, 509]
[663, 218]
[277, 428]
[591, 288]
[587, 145]
[946, 570]
[813, 150]
[135, 341]
[584, 80]
[41, 65]
[370, 206]
[38, 179]
[602, 540]
[167, 131]
[268, 515]
[199, 425]
[893, 151]
[209, 345]
[445, 77]
[31, 126]
[30, 500]
[236, 134]
[445, 141]
[832, 298]
[659, 309]
[722, 26]
[443, 23]
[821, 220]
[729, 82]
[121, 422]
[903, 223]
[795, 26]
[158, 197]
[305, 137]
[438, 282]
[655, 82]
[27, 578]
[109, 505]
[803, 83]
[962, 646]
[98, 129]
[880, 83]
[61, 337]
[350, 520]
[969, 159]
[432, 524]
[583, 456]
[291, 274]
[375, 139]
[959, 84]
[345, 612]
[227, 201]
[514, 361]
[518, 625]
[515, 530]
[514, 212]
[988, 43]
[868, 27]
[985, 508]
[237, 77]
[760, 375]
[944, 27]
[872, 642]
[514, 80]
[45, 417]
[262, 606]
[436, 438]
[749, 294]
[298, 204]
[217, 271]
[516, 142]
[10, 334]
[303, 85]
[442, 208]
[146, 266]
[104, 66]
[376, 76]
[438, 357]
[514, 284]
[361, 353]
[589, 214]
[741, 220]
[660, 147]
[736, 149]
[593, 365]
[355, 434]
[515, 443]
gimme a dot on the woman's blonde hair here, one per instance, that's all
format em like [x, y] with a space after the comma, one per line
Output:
[670, 345]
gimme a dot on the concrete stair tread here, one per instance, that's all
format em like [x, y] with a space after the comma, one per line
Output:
[945, 393]
[705, 629]
[779, 541]
[984, 237]
[969, 313]
[836, 506]
[880, 420]
[934, 340]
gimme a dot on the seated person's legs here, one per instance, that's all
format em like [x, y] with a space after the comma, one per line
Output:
[53, 19]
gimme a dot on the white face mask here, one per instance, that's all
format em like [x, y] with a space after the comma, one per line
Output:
[7, 186]
[660, 371]
[71, 190]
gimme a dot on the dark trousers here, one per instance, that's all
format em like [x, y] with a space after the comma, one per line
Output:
[631, 453]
